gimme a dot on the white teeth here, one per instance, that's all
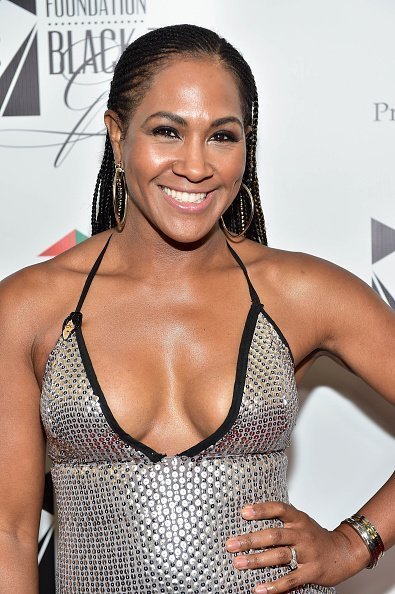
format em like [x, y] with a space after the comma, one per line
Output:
[196, 198]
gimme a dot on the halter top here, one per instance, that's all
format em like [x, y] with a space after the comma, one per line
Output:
[133, 520]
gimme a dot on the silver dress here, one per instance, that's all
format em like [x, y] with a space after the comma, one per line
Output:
[132, 520]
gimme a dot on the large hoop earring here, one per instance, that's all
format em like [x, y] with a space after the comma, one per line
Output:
[119, 196]
[250, 219]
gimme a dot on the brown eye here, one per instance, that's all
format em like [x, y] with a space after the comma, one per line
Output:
[165, 131]
[224, 137]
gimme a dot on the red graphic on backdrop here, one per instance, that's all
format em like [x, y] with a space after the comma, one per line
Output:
[67, 242]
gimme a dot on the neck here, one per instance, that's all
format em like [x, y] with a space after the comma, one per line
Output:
[149, 253]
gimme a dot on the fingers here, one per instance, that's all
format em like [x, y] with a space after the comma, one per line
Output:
[262, 539]
[272, 557]
[276, 543]
[270, 509]
[269, 558]
[311, 552]
[282, 585]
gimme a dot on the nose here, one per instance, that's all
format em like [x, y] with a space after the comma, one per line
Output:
[192, 161]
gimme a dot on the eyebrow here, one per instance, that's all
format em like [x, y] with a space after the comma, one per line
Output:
[181, 122]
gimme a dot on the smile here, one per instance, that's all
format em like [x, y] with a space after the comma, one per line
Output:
[195, 198]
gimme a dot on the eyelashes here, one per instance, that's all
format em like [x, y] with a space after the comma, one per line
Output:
[224, 137]
[165, 131]
[171, 133]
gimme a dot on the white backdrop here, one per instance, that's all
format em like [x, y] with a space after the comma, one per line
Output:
[325, 74]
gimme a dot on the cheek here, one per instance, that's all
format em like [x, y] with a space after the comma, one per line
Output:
[233, 164]
[147, 162]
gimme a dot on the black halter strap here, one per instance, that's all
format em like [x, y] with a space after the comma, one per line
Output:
[94, 269]
[254, 295]
[91, 276]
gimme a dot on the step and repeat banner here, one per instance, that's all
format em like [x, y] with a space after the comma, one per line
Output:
[326, 77]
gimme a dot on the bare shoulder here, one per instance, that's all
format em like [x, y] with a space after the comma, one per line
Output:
[31, 299]
[306, 278]
[319, 305]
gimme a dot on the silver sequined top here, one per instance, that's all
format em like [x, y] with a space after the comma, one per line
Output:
[132, 520]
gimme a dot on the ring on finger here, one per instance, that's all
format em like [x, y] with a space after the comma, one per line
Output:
[293, 564]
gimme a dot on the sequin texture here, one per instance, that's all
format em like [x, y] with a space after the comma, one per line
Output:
[130, 523]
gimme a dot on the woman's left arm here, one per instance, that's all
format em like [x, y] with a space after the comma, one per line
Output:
[357, 326]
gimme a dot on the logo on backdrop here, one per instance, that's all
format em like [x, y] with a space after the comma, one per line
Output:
[65, 243]
[58, 64]
[19, 90]
[383, 261]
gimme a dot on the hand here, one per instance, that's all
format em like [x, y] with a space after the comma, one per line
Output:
[324, 557]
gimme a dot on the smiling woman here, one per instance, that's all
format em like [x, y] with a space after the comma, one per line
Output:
[170, 395]
[192, 153]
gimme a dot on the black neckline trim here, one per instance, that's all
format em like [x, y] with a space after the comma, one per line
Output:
[256, 308]
[280, 334]
[238, 390]
[92, 377]
[255, 299]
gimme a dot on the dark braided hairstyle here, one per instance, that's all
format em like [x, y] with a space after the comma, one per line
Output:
[134, 74]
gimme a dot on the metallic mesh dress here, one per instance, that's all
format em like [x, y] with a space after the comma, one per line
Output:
[132, 520]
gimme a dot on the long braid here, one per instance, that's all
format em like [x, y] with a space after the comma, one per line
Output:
[132, 78]
[102, 215]
[258, 228]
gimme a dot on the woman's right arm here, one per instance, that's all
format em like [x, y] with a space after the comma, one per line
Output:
[22, 443]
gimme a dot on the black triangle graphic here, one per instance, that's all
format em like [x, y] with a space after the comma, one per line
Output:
[25, 98]
[9, 72]
[383, 240]
[29, 5]
[388, 296]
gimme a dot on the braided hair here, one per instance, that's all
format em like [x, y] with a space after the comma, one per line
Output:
[134, 74]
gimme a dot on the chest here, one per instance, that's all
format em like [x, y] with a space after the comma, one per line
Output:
[169, 375]
[262, 402]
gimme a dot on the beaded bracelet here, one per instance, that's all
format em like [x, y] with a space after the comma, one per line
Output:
[369, 535]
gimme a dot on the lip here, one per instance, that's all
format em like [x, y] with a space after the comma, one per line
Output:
[187, 206]
[187, 190]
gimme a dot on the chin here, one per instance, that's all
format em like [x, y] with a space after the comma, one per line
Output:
[187, 238]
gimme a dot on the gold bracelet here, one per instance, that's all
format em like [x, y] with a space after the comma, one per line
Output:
[369, 535]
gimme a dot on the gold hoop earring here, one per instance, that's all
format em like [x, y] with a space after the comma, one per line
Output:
[250, 219]
[119, 196]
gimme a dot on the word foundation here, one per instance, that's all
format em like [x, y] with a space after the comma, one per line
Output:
[90, 8]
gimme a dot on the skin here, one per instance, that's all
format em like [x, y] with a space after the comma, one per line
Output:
[174, 265]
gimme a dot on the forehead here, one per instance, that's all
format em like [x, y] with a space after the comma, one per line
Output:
[193, 88]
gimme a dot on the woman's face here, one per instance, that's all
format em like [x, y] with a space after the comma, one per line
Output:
[184, 150]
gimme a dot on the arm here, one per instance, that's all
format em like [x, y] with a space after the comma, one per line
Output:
[362, 334]
[352, 324]
[22, 445]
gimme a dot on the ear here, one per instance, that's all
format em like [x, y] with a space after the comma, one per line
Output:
[114, 129]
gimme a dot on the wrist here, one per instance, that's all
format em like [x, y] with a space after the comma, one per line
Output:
[358, 553]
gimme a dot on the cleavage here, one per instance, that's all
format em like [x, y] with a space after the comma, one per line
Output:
[164, 388]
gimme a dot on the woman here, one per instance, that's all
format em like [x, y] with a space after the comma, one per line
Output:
[170, 396]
